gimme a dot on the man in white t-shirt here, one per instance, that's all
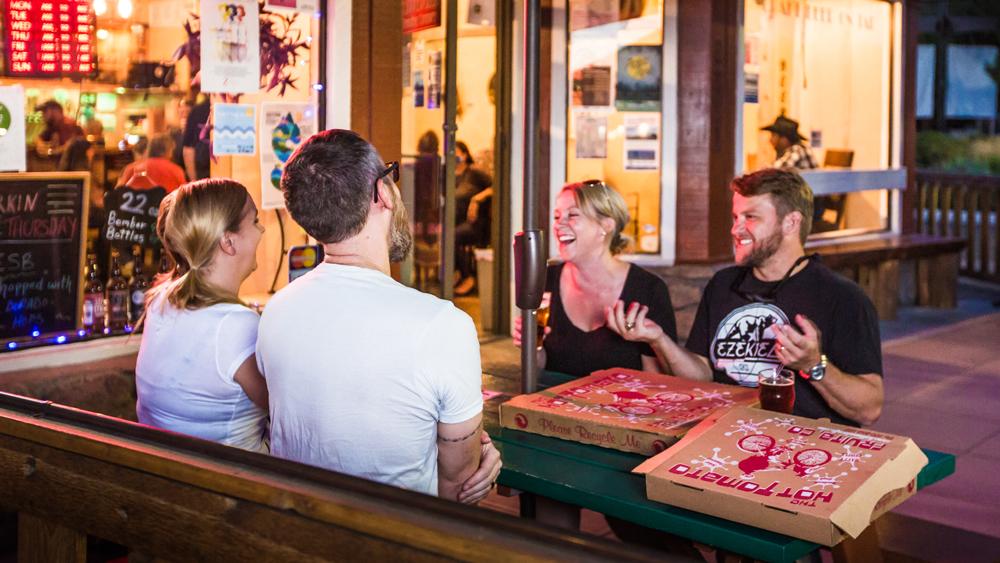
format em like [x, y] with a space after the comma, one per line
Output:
[367, 376]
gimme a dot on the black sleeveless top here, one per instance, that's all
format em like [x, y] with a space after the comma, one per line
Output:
[576, 352]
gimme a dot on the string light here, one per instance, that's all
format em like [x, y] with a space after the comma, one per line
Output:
[100, 7]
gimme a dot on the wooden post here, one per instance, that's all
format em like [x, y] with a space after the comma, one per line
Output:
[937, 281]
[42, 541]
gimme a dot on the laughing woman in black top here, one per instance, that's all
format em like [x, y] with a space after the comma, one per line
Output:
[596, 299]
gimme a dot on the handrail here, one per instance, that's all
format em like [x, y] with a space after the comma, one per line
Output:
[182, 498]
[966, 206]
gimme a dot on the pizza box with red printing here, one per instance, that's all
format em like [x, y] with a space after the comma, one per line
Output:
[628, 410]
[797, 476]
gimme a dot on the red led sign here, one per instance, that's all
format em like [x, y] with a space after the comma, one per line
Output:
[48, 38]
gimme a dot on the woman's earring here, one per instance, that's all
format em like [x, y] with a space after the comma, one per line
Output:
[604, 234]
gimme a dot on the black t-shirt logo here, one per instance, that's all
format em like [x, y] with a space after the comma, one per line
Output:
[743, 344]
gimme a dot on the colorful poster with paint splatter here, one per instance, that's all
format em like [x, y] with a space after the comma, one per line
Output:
[234, 129]
[283, 127]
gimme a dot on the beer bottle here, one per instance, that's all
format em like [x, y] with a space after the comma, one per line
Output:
[138, 286]
[93, 298]
[118, 296]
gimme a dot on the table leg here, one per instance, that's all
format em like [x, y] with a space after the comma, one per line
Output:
[550, 512]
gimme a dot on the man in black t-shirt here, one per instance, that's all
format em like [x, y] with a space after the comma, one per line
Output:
[780, 307]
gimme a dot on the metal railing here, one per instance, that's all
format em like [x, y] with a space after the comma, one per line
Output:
[963, 206]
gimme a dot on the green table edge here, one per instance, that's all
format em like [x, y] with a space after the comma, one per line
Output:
[732, 536]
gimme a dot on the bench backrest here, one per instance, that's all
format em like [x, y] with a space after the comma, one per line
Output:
[71, 473]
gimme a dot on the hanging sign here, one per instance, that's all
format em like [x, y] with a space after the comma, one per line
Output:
[421, 14]
[45, 38]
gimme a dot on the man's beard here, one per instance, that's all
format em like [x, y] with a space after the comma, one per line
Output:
[400, 238]
[762, 250]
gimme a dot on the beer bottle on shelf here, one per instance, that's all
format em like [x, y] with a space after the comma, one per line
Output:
[138, 286]
[118, 296]
[93, 298]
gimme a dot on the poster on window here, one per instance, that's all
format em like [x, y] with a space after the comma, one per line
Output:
[230, 46]
[592, 13]
[234, 129]
[434, 81]
[642, 141]
[592, 86]
[283, 127]
[12, 141]
[639, 75]
[304, 6]
[591, 133]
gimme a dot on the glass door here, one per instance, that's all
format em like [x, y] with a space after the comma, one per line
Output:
[451, 258]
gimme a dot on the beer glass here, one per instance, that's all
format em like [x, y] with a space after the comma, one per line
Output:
[542, 317]
[777, 390]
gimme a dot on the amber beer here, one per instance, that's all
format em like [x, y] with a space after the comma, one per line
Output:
[777, 390]
[542, 319]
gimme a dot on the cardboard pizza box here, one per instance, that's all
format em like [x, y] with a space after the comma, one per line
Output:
[628, 410]
[797, 476]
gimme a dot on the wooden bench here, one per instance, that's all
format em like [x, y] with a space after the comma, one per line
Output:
[875, 265]
[70, 474]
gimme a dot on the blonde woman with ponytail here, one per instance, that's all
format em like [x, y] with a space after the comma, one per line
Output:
[197, 372]
[592, 284]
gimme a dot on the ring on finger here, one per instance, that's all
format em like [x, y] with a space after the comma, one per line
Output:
[629, 325]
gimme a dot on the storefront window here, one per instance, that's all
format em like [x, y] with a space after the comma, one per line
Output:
[423, 112]
[825, 66]
[97, 87]
[614, 116]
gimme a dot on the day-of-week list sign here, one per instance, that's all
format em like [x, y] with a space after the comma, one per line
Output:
[45, 38]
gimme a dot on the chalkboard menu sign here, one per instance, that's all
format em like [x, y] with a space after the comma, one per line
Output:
[43, 221]
[132, 218]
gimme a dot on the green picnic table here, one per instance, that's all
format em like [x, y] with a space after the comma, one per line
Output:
[600, 479]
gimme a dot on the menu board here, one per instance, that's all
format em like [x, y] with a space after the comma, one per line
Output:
[132, 218]
[48, 38]
[43, 218]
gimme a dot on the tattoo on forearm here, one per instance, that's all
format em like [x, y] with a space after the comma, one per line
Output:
[463, 438]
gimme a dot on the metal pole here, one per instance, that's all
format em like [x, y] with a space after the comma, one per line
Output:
[449, 127]
[532, 236]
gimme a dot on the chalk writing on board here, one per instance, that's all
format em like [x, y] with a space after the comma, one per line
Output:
[41, 229]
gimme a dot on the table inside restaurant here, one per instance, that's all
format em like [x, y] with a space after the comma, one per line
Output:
[600, 479]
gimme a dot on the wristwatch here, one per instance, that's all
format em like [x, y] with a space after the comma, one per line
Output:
[818, 371]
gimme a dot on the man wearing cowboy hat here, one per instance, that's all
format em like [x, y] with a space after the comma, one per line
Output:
[787, 143]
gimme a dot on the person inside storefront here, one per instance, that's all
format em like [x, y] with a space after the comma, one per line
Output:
[60, 131]
[176, 131]
[805, 317]
[367, 376]
[427, 193]
[787, 142]
[196, 371]
[580, 336]
[154, 169]
[197, 153]
[473, 187]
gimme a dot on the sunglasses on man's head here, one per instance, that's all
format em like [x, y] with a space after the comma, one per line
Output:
[390, 168]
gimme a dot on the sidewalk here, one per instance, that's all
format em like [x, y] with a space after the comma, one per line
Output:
[942, 388]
